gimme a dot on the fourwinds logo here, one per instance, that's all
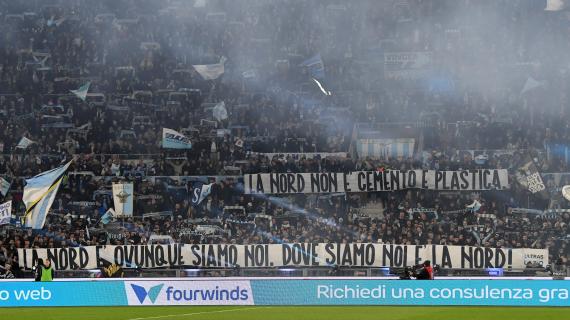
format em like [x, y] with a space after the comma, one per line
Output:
[142, 293]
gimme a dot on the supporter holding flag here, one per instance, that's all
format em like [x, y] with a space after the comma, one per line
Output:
[39, 194]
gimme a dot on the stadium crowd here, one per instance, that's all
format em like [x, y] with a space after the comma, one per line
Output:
[138, 57]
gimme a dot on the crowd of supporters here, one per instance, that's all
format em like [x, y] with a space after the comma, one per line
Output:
[138, 57]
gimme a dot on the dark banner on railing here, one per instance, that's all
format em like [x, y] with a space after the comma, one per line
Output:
[282, 255]
[373, 181]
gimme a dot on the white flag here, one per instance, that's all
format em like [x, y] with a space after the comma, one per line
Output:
[4, 186]
[566, 192]
[123, 198]
[326, 92]
[554, 5]
[5, 212]
[211, 71]
[199, 3]
[220, 112]
[530, 84]
[24, 143]
[39, 193]
[81, 93]
[475, 206]
[172, 139]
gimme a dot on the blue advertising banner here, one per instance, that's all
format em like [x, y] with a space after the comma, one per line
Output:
[240, 291]
[64, 293]
[411, 292]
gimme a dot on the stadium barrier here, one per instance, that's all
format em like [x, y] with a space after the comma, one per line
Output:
[284, 291]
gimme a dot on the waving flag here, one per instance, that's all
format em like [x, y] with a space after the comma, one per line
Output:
[81, 93]
[4, 186]
[200, 191]
[326, 92]
[315, 66]
[530, 84]
[220, 112]
[24, 143]
[211, 71]
[475, 206]
[39, 194]
[172, 139]
[555, 5]
[123, 198]
[106, 218]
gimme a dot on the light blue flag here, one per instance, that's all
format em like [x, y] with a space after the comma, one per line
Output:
[315, 66]
[81, 93]
[108, 216]
[172, 139]
[39, 194]
[4, 186]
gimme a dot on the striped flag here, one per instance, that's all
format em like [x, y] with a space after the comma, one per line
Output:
[39, 194]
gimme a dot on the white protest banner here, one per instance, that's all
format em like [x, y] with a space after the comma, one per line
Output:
[172, 139]
[123, 198]
[283, 255]
[374, 181]
[5, 212]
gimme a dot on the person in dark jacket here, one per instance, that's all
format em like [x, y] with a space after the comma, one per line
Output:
[425, 272]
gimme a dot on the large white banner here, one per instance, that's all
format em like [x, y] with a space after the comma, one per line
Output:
[283, 255]
[123, 198]
[5, 212]
[373, 181]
